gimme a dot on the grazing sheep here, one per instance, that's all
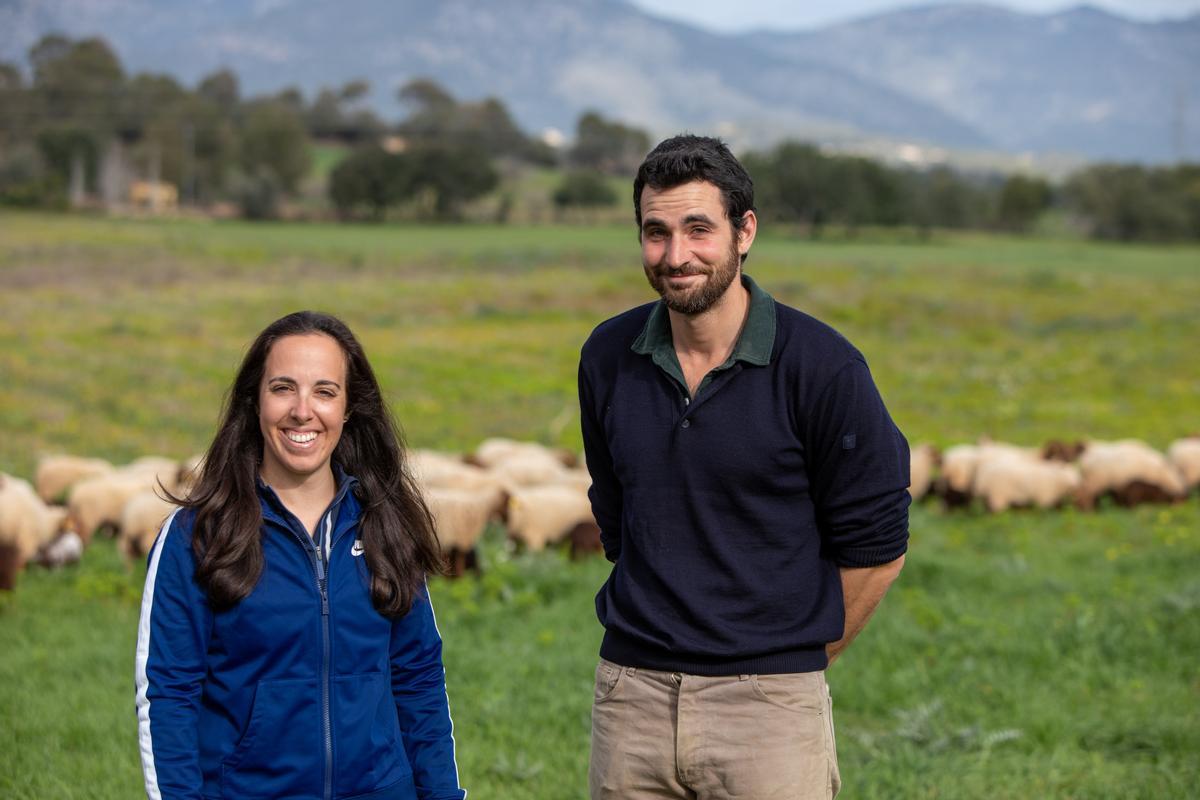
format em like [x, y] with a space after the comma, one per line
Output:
[1185, 455]
[585, 540]
[923, 459]
[1131, 471]
[460, 517]
[529, 469]
[141, 519]
[542, 515]
[492, 451]
[26, 524]
[97, 503]
[1058, 450]
[1012, 480]
[165, 471]
[431, 468]
[960, 463]
[67, 548]
[189, 475]
[958, 473]
[56, 475]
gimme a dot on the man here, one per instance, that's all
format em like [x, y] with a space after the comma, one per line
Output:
[751, 493]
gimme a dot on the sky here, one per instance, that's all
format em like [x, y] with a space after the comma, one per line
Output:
[731, 17]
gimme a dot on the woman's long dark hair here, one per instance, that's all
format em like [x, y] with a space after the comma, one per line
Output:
[396, 529]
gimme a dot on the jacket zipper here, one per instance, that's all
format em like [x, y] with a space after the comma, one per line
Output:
[321, 572]
[323, 584]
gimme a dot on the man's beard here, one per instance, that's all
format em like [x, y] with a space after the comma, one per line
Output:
[701, 298]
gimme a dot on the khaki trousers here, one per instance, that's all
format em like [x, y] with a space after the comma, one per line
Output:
[674, 735]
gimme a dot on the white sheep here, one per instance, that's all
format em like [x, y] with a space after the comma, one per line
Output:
[1129, 469]
[1011, 480]
[460, 517]
[189, 474]
[165, 471]
[496, 449]
[97, 503]
[923, 458]
[55, 475]
[431, 468]
[542, 515]
[141, 519]
[67, 548]
[26, 524]
[1185, 455]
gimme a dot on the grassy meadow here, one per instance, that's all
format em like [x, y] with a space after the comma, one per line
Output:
[1035, 654]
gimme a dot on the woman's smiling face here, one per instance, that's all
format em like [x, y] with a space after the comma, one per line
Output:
[301, 407]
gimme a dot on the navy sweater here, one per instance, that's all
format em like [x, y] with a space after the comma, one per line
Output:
[728, 515]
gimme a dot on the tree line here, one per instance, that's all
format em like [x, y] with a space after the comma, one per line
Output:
[78, 113]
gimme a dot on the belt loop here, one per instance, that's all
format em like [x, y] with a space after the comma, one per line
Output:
[631, 671]
[743, 677]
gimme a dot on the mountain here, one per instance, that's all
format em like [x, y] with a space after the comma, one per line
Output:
[1082, 80]
[966, 76]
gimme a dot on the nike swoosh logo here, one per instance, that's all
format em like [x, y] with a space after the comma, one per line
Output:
[357, 549]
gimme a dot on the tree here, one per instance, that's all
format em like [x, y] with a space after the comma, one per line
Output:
[221, 89]
[438, 118]
[334, 115]
[1022, 201]
[452, 174]
[585, 189]
[273, 137]
[373, 178]
[608, 146]
[1129, 202]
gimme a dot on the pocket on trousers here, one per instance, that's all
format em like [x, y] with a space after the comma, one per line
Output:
[801, 692]
[608, 677]
[835, 775]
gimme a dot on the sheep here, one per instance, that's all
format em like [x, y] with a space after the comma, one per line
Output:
[1058, 450]
[1185, 455]
[923, 459]
[460, 517]
[26, 523]
[97, 503]
[56, 475]
[189, 474]
[1008, 480]
[959, 464]
[1130, 470]
[165, 471]
[67, 548]
[141, 519]
[529, 468]
[585, 540]
[494, 450]
[431, 468]
[542, 515]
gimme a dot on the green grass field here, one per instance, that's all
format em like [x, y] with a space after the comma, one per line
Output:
[1031, 654]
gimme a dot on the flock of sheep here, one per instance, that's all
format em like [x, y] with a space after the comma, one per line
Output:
[1002, 476]
[539, 494]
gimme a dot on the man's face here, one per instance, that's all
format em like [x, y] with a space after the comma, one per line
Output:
[690, 251]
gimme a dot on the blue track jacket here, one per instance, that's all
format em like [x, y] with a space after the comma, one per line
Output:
[302, 690]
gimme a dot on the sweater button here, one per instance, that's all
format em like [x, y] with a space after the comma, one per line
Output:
[687, 423]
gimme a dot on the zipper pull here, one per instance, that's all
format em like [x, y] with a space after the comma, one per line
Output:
[324, 600]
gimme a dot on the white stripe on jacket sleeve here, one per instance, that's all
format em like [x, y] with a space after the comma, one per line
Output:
[143, 654]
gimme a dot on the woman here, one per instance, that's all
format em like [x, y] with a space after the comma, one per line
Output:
[287, 646]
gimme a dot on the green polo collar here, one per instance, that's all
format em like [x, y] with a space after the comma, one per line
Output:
[753, 346]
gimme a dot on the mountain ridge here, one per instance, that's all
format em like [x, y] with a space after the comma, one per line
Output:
[964, 76]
